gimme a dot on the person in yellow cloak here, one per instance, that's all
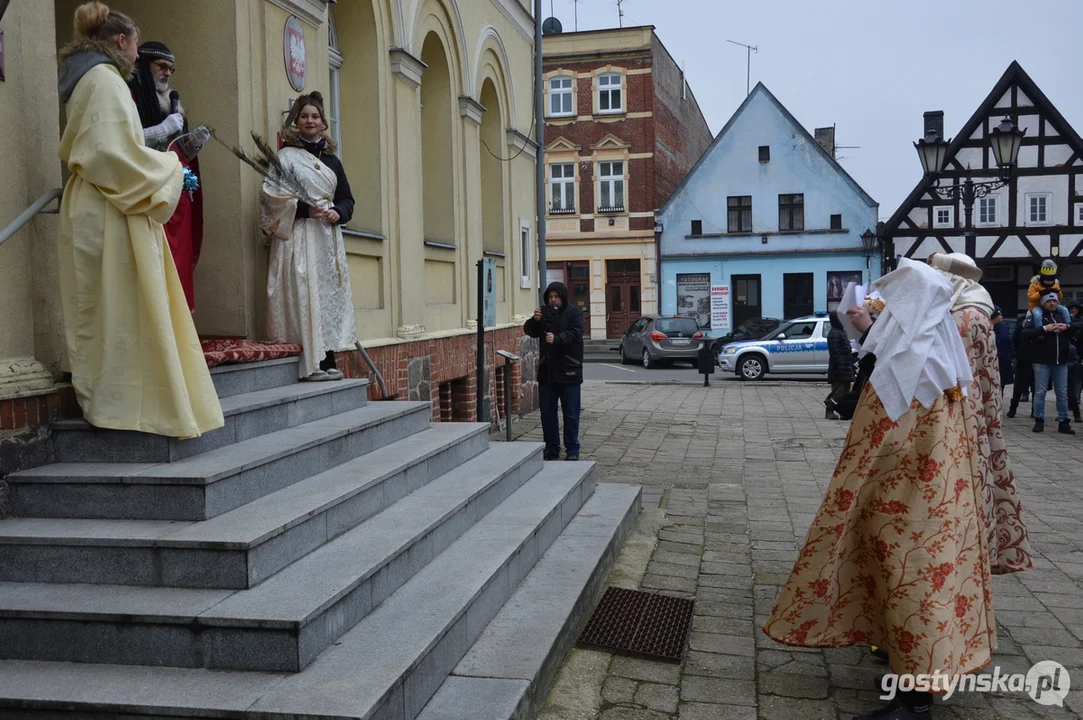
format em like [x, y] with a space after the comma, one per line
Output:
[132, 348]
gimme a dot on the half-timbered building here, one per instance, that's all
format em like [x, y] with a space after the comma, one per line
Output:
[1038, 214]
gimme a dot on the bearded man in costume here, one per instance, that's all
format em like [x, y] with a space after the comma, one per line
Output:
[972, 309]
[898, 555]
[165, 127]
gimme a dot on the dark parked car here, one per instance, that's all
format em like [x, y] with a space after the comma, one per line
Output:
[653, 340]
[752, 329]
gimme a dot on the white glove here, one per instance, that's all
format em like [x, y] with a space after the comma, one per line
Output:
[173, 124]
[200, 136]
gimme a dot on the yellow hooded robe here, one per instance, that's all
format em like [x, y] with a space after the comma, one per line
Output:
[132, 347]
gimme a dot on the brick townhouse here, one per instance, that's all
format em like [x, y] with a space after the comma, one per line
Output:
[622, 130]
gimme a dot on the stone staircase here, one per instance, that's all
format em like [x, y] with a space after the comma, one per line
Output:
[317, 557]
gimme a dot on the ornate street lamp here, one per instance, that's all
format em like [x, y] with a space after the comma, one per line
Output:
[932, 151]
[869, 246]
[1006, 140]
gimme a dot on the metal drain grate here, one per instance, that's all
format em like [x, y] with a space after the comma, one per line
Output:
[640, 624]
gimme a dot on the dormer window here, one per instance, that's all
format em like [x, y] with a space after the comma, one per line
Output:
[560, 97]
[610, 99]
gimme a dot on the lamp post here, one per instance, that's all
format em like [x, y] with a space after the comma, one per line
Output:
[868, 249]
[1006, 139]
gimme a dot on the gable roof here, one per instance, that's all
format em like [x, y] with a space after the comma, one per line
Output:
[761, 89]
[1014, 75]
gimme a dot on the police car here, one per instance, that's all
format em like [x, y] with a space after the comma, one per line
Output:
[797, 346]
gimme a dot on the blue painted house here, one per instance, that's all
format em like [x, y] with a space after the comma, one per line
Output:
[767, 224]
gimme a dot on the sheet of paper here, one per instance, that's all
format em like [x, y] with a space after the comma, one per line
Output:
[853, 296]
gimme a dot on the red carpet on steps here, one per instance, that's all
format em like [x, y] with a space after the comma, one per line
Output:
[236, 350]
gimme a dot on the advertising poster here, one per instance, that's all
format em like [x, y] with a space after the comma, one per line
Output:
[836, 286]
[694, 298]
[720, 307]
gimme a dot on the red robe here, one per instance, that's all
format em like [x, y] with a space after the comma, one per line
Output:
[184, 231]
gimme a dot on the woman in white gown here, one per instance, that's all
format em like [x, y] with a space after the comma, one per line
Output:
[309, 301]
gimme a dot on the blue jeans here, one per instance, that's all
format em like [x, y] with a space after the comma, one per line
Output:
[569, 397]
[1060, 387]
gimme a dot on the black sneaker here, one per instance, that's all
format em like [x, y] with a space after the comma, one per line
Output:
[830, 415]
[1011, 411]
[1076, 417]
[1039, 425]
[571, 457]
[1065, 428]
[879, 654]
[550, 455]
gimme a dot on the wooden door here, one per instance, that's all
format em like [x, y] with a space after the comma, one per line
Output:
[622, 296]
[576, 277]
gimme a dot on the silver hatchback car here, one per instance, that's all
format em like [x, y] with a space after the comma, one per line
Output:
[653, 340]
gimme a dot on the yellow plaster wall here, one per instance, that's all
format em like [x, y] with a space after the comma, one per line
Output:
[30, 320]
[231, 77]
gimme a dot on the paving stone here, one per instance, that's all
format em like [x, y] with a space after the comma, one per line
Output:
[718, 690]
[663, 698]
[780, 708]
[624, 713]
[732, 667]
[618, 690]
[645, 670]
[724, 644]
[794, 685]
[704, 711]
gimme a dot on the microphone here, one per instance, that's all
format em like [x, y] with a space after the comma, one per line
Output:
[174, 101]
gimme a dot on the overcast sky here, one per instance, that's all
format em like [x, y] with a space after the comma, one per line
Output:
[870, 67]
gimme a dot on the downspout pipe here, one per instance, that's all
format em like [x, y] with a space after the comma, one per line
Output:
[539, 138]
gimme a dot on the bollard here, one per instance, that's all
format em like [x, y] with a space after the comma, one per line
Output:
[706, 362]
[509, 358]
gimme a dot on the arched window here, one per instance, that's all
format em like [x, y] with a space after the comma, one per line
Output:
[333, 93]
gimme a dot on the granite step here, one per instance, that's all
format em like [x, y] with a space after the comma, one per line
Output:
[243, 547]
[283, 623]
[388, 666]
[215, 482]
[247, 415]
[508, 672]
[243, 378]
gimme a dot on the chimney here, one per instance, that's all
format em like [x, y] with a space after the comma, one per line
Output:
[934, 123]
[826, 138]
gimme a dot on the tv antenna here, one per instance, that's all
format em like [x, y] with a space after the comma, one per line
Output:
[620, 12]
[748, 63]
[575, 9]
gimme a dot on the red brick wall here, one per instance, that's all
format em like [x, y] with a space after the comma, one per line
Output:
[442, 371]
[681, 131]
[677, 133]
[19, 413]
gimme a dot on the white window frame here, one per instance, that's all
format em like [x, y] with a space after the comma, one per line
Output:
[937, 209]
[526, 254]
[568, 92]
[995, 200]
[608, 89]
[334, 104]
[611, 186]
[1046, 220]
[567, 185]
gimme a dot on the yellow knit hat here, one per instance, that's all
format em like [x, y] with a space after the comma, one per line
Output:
[1049, 268]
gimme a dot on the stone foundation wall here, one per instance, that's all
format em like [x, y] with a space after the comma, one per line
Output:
[442, 371]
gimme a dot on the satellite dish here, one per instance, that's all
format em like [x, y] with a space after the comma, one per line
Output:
[552, 26]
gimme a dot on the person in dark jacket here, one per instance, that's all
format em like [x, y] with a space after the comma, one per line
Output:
[1005, 349]
[1024, 371]
[559, 326]
[1075, 369]
[840, 365]
[1050, 331]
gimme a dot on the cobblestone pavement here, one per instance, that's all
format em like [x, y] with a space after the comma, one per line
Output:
[732, 478]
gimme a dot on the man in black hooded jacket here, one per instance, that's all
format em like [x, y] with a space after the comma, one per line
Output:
[559, 326]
